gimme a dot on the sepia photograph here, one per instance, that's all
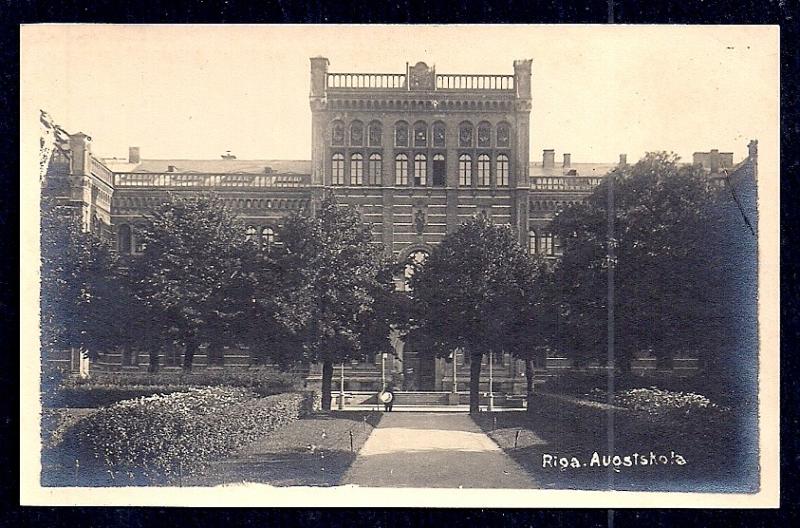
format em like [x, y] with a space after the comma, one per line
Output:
[400, 265]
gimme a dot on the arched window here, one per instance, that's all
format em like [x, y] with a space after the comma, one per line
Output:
[420, 170]
[337, 134]
[357, 134]
[250, 233]
[439, 135]
[503, 135]
[465, 170]
[532, 242]
[484, 135]
[124, 239]
[420, 134]
[267, 238]
[465, 135]
[401, 169]
[337, 169]
[356, 169]
[546, 246]
[439, 170]
[375, 134]
[375, 169]
[401, 134]
[484, 170]
[502, 170]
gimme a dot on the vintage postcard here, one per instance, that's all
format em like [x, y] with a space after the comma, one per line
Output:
[484, 266]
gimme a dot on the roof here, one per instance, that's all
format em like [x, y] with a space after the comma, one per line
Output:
[218, 166]
[582, 169]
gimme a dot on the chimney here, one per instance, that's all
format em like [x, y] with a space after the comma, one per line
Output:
[548, 158]
[133, 155]
[713, 161]
[567, 160]
[170, 168]
[623, 159]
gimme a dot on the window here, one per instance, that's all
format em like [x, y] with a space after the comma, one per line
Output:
[124, 239]
[420, 170]
[484, 170]
[465, 170]
[420, 135]
[337, 134]
[250, 233]
[401, 169]
[465, 135]
[502, 170]
[267, 238]
[503, 135]
[532, 242]
[415, 259]
[375, 168]
[546, 244]
[375, 134]
[401, 135]
[138, 243]
[356, 169]
[439, 170]
[357, 134]
[337, 169]
[439, 135]
[484, 135]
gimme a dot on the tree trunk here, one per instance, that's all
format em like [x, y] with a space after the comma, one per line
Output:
[327, 381]
[529, 383]
[474, 381]
[188, 354]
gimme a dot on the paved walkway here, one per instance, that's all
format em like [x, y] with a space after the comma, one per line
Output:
[438, 450]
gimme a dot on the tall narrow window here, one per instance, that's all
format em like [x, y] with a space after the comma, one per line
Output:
[439, 135]
[532, 242]
[356, 169]
[337, 169]
[503, 135]
[439, 170]
[401, 135]
[420, 135]
[375, 134]
[250, 233]
[375, 168]
[502, 170]
[420, 170]
[337, 134]
[401, 169]
[546, 246]
[357, 134]
[484, 135]
[267, 238]
[484, 170]
[124, 239]
[465, 135]
[465, 170]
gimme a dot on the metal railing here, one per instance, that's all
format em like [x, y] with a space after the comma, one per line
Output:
[168, 180]
[385, 81]
[474, 82]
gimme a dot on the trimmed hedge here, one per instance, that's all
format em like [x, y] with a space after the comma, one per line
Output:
[158, 439]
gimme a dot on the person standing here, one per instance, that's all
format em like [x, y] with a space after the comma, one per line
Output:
[387, 397]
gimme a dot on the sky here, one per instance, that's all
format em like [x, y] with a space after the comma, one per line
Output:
[598, 91]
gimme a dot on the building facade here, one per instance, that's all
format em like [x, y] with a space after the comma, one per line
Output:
[416, 153]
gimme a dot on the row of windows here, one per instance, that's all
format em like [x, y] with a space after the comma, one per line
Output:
[423, 136]
[374, 176]
[267, 239]
[543, 244]
[127, 242]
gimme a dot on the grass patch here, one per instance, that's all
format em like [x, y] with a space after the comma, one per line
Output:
[312, 451]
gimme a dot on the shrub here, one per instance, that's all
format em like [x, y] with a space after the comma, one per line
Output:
[158, 438]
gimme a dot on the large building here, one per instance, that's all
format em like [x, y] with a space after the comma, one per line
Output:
[416, 152]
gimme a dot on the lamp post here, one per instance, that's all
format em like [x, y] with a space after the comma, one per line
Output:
[383, 371]
[490, 406]
[341, 389]
[455, 374]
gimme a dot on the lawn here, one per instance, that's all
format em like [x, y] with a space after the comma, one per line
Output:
[312, 451]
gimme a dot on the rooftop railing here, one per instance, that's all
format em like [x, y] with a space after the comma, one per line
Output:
[169, 180]
[100, 171]
[381, 81]
[559, 183]
[474, 82]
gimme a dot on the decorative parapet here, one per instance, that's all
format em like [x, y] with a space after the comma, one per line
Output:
[102, 172]
[225, 181]
[373, 81]
[561, 183]
[392, 81]
[474, 82]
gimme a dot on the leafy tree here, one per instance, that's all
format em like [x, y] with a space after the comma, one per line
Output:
[667, 284]
[476, 292]
[191, 275]
[80, 294]
[335, 288]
